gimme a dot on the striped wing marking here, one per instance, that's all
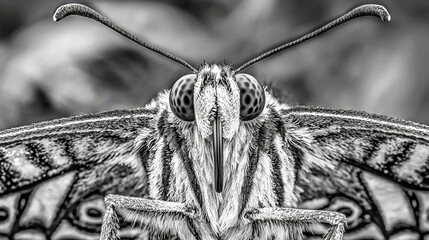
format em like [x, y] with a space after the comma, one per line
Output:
[392, 148]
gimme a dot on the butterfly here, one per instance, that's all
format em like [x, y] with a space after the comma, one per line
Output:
[215, 157]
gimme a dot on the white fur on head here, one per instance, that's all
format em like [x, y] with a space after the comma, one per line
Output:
[228, 101]
[216, 92]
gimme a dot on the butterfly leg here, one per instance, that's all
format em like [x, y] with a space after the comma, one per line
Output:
[336, 219]
[159, 215]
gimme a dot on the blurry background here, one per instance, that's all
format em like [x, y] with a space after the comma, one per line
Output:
[50, 70]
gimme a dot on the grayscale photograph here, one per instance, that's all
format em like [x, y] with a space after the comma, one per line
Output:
[214, 120]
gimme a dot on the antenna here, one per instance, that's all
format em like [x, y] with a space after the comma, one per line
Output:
[363, 10]
[84, 11]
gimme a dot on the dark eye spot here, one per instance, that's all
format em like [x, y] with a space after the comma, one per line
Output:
[94, 213]
[255, 102]
[247, 99]
[178, 102]
[180, 93]
[346, 211]
[186, 100]
[250, 111]
[247, 84]
[4, 214]
[183, 87]
[252, 92]
[242, 91]
[183, 110]
[189, 92]
[253, 86]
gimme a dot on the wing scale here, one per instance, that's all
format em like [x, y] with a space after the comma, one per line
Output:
[98, 150]
[345, 144]
[41, 151]
[389, 147]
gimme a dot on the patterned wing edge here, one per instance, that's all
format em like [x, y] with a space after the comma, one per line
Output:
[100, 150]
[345, 144]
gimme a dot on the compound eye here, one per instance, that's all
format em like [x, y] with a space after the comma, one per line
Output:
[182, 98]
[252, 96]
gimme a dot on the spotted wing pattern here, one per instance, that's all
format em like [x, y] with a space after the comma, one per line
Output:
[379, 170]
[53, 175]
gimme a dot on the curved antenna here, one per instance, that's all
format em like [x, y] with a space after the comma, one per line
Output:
[84, 11]
[363, 10]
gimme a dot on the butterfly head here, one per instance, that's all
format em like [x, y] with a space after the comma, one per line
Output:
[215, 92]
[217, 100]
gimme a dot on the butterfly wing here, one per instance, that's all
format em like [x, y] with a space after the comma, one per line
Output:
[47, 169]
[350, 148]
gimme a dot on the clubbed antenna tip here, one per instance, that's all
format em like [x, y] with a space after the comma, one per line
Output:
[375, 10]
[65, 10]
[369, 10]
